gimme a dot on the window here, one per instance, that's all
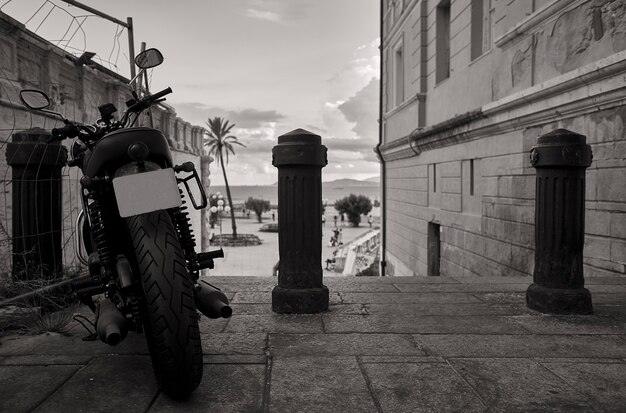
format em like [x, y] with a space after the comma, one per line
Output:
[434, 177]
[481, 27]
[443, 41]
[398, 62]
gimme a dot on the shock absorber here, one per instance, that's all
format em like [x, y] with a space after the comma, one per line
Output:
[98, 218]
[182, 222]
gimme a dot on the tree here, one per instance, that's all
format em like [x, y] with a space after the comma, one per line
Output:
[219, 142]
[259, 206]
[354, 206]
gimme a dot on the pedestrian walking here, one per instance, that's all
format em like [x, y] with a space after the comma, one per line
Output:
[273, 215]
[335, 218]
[369, 220]
[342, 220]
[323, 221]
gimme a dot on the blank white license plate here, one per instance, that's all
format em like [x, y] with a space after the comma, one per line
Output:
[146, 192]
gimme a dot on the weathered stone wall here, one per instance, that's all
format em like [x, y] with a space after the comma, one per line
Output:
[560, 65]
[28, 61]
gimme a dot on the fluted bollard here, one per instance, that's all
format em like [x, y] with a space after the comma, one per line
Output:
[37, 204]
[560, 158]
[299, 157]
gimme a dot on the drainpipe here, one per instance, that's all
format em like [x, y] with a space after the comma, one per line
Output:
[383, 200]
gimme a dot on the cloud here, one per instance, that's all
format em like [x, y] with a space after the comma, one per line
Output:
[263, 15]
[249, 118]
[350, 114]
[357, 73]
[277, 11]
[362, 110]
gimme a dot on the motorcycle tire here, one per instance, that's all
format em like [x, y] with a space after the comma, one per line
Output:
[170, 318]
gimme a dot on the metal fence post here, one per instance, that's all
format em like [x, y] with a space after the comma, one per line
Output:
[300, 157]
[37, 204]
[560, 158]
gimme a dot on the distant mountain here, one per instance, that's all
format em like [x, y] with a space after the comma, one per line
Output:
[338, 183]
[347, 182]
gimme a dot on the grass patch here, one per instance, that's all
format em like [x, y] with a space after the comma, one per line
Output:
[42, 313]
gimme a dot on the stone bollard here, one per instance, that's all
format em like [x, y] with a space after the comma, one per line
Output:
[300, 157]
[37, 199]
[560, 158]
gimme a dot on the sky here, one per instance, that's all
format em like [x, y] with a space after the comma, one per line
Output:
[268, 66]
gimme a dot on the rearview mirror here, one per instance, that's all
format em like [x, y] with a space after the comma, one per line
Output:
[34, 99]
[149, 58]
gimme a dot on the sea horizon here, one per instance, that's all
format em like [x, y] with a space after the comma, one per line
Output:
[331, 193]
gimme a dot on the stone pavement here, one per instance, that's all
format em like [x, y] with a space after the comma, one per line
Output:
[386, 345]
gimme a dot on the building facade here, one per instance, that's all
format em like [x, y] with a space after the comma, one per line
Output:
[467, 87]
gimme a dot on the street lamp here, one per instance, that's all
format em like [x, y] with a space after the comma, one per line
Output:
[218, 209]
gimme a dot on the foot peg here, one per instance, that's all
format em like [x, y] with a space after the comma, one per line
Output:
[205, 259]
[211, 302]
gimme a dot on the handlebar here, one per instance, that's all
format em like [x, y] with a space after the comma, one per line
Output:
[159, 95]
[70, 130]
[147, 101]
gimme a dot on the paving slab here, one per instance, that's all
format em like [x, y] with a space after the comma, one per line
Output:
[275, 323]
[608, 298]
[421, 387]
[25, 387]
[606, 288]
[46, 360]
[492, 280]
[109, 383]
[224, 388]
[604, 384]
[343, 344]
[474, 287]
[319, 384]
[405, 298]
[235, 359]
[58, 344]
[266, 297]
[233, 343]
[530, 345]
[519, 385]
[515, 298]
[212, 325]
[605, 280]
[603, 321]
[251, 309]
[400, 359]
[424, 309]
[426, 324]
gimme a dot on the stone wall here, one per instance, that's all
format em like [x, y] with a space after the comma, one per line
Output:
[28, 61]
[559, 65]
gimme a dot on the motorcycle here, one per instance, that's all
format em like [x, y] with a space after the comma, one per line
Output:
[135, 236]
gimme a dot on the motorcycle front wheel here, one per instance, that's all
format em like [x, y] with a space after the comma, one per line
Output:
[170, 318]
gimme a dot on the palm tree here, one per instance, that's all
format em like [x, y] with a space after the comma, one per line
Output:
[219, 142]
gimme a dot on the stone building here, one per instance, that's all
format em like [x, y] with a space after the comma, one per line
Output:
[467, 87]
[28, 61]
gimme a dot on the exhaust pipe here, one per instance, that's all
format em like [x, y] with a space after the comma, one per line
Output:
[110, 323]
[212, 302]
